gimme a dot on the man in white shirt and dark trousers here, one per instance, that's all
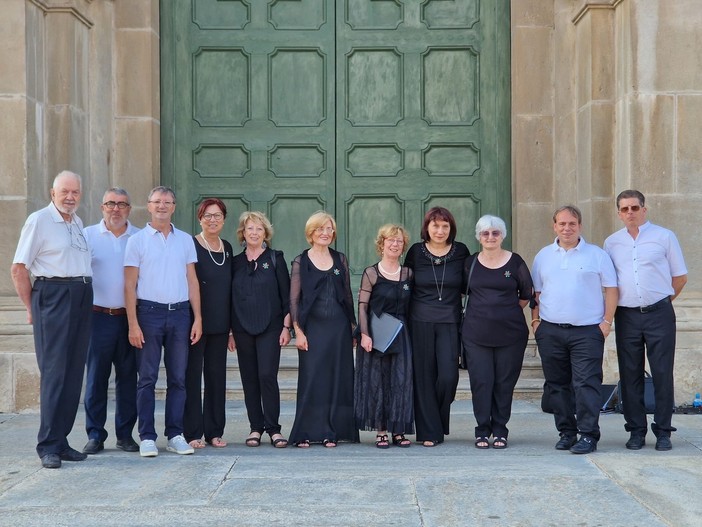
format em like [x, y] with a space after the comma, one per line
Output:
[651, 272]
[160, 290]
[109, 339]
[52, 248]
[571, 322]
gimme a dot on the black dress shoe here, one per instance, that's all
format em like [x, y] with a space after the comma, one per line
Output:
[51, 461]
[71, 454]
[636, 442]
[663, 443]
[128, 445]
[93, 446]
[565, 442]
[586, 445]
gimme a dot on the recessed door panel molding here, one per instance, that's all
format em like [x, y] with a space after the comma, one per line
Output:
[450, 86]
[288, 214]
[221, 161]
[446, 159]
[221, 87]
[297, 14]
[374, 160]
[221, 14]
[297, 161]
[297, 87]
[373, 14]
[451, 14]
[364, 215]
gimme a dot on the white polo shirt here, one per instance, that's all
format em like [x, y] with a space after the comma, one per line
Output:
[162, 263]
[51, 247]
[645, 265]
[107, 260]
[571, 282]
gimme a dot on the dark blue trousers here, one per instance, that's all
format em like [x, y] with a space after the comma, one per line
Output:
[170, 331]
[572, 362]
[109, 345]
[61, 314]
[639, 335]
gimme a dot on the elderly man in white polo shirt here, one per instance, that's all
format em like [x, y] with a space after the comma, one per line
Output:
[571, 321]
[52, 247]
[160, 290]
[109, 338]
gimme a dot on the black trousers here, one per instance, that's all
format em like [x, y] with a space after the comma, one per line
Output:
[62, 315]
[206, 416]
[493, 372]
[639, 335]
[259, 360]
[435, 351]
[572, 362]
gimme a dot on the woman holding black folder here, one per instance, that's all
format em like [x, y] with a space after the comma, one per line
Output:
[383, 391]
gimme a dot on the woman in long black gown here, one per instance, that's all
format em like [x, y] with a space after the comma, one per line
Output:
[435, 312]
[321, 306]
[383, 393]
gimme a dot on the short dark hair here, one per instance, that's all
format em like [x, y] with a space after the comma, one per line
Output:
[575, 211]
[438, 214]
[211, 201]
[626, 194]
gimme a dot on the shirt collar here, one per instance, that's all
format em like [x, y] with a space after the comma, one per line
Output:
[103, 227]
[557, 247]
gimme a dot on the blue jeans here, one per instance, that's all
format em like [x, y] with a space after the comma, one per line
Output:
[169, 330]
[109, 344]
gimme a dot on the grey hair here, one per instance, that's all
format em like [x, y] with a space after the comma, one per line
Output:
[490, 222]
[68, 173]
[162, 190]
[116, 190]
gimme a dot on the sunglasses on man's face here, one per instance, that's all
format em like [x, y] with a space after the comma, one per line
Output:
[633, 208]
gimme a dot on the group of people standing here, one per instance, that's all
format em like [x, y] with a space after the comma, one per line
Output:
[120, 297]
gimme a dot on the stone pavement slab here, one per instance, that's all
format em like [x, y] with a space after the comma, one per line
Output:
[529, 483]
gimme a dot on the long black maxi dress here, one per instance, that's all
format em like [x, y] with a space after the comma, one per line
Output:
[319, 304]
[383, 392]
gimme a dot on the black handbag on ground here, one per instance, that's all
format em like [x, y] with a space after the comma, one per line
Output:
[649, 395]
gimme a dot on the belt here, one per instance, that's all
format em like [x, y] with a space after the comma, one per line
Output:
[566, 326]
[84, 279]
[652, 307]
[114, 311]
[170, 307]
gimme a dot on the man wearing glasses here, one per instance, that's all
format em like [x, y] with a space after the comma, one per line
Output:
[651, 272]
[53, 249]
[160, 290]
[109, 339]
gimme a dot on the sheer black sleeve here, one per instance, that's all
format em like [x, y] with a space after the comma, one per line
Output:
[295, 289]
[368, 280]
[526, 286]
[281, 271]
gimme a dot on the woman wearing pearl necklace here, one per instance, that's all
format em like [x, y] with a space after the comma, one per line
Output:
[435, 312]
[209, 355]
[383, 394]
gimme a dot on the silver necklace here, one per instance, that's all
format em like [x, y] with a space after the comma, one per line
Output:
[209, 250]
[387, 272]
[443, 275]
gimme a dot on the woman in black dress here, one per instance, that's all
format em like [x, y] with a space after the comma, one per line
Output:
[260, 323]
[494, 331]
[383, 393]
[209, 355]
[321, 306]
[435, 313]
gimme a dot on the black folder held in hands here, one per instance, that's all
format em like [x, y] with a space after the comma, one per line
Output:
[384, 329]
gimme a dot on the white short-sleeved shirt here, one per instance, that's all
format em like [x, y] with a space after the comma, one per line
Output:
[51, 247]
[107, 260]
[571, 282]
[162, 263]
[645, 265]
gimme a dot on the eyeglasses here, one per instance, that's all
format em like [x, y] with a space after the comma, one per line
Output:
[486, 234]
[158, 202]
[212, 216]
[121, 205]
[395, 241]
[324, 230]
[633, 208]
[78, 241]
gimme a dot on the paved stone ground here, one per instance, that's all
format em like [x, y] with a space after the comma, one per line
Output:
[530, 483]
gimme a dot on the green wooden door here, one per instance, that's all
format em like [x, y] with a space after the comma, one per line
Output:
[375, 110]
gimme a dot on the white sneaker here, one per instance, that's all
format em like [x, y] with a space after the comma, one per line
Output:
[147, 448]
[178, 445]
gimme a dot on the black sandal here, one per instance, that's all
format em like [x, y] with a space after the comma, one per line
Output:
[381, 441]
[329, 443]
[499, 443]
[280, 442]
[482, 443]
[252, 440]
[430, 443]
[401, 441]
[303, 444]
